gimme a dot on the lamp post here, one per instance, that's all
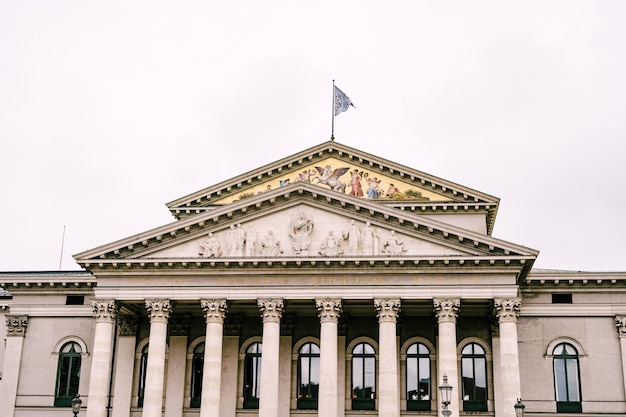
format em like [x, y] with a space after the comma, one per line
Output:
[445, 392]
[76, 402]
[519, 408]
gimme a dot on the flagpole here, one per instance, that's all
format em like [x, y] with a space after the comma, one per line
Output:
[332, 129]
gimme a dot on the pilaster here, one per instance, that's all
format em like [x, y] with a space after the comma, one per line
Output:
[389, 391]
[16, 330]
[507, 312]
[124, 363]
[447, 313]
[329, 311]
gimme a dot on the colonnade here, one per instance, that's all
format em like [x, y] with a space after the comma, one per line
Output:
[330, 403]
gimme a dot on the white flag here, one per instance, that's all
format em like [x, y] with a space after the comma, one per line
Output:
[342, 101]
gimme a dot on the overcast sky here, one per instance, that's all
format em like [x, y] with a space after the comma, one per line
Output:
[109, 110]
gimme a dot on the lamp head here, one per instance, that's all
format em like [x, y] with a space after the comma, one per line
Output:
[519, 408]
[445, 391]
[76, 402]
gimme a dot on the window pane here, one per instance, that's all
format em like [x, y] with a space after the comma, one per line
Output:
[411, 377]
[370, 374]
[560, 380]
[424, 378]
[480, 376]
[572, 379]
[315, 370]
[305, 378]
[357, 373]
[423, 350]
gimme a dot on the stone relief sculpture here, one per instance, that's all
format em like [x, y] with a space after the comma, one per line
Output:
[210, 248]
[300, 230]
[369, 240]
[251, 243]
[230, 246]
[331, 246]
[270, 245]
[353, 235]
[393, 246]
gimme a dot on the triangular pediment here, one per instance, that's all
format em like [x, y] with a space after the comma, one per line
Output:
[345, 170]
[303, 221]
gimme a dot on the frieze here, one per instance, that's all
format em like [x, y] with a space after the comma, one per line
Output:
[16, 325]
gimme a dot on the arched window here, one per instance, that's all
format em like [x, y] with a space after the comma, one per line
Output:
[68, 374]
[363, 377]
[566, 379]
[197, 366]
[474, 375]
[143, 368]
[308, 376]
[252, 376]
[418, 378]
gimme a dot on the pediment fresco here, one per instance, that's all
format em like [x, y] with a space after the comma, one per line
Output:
[350, 178]
[303, 231]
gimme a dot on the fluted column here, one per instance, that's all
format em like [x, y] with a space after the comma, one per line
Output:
[620, 323]
[329, 311]
[507, 311]
[271, 312]
[124, 362]
[159, 312]
[16, 330]
[446, 311]
[104, 312]
[389, 391]
[214, 313]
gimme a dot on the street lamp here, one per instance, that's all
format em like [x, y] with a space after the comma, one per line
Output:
[76, 402]
[445, 392]
[519, 408]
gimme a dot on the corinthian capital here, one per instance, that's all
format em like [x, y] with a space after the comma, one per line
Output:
[159, 310]
[446, 309]
[214, 310]
[16, 325]
[329, 309]
[271, 309]
[507, 309]
[104, 311]
[620, 323]
[387, 309]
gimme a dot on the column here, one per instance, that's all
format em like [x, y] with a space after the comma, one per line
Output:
[214, 313]
[495, 350]
[389, 391]
[176, 364]
[507, 311]
[329, 311]
[446, 311]
[159, 312]
[620, 323]
[271, 312]
[230, 363]
[124, 362]
[16, 330]
[104, 312]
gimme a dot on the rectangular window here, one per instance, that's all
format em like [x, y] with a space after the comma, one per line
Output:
[75, 300]
[561, 298]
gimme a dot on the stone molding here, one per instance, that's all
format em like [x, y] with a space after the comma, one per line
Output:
[387, 309]
[329, 309]
[16, 325]
[214, 310]
[271, 309]
[159, 310]
[620, 323]
[507, 309]
[104, 311]
[127, 325]
[447, 309]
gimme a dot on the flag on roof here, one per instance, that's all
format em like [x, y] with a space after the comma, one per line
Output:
[342, 101]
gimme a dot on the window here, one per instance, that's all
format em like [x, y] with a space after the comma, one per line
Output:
[75, 300]
[561, 298]
[68, 374]
[143, 368]
[197, 367]
[474, 377]
[308, 376]
[418, 378]
[252, 376]
[566, 379]
[363, 377]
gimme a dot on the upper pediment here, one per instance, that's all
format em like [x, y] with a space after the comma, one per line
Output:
[337, 167]
[304, 221]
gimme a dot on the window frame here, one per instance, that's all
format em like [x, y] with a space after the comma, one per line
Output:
[563, 375]
[251, 402]
[474, 404]
[311, 402]
[417, 404]
[363, 403]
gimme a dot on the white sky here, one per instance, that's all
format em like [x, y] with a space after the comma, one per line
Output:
[109, 110]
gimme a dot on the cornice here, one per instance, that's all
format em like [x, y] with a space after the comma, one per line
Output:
[548, 279]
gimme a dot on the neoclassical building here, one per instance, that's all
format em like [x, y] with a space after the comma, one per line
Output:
[329, 283]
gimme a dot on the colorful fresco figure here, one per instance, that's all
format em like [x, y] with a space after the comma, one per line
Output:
[330, 177]
[373, 191]
[355, 184]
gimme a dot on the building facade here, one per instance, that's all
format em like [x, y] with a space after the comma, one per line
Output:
[329, 283]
